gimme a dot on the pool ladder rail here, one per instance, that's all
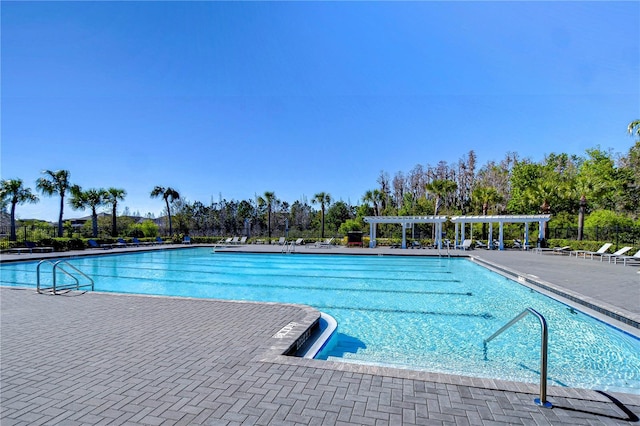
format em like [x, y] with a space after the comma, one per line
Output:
[60, 266]
[289, 247]
[542, 401]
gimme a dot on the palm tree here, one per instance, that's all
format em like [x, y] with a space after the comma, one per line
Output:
[374, 197]
[485, 196]
[267, 200]
[169, 195]
[91, 198]
[323, 198]
[547, 191]
[12, 191]
[634, 127]
[56, 183]
[440, 188]
[112, 197]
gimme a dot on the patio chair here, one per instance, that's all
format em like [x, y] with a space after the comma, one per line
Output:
[300, 241]
[120, 243]
[94, 244]
[625, 259]
[480, 244]
[223, 242]
[137, 242]
[30, 246]
[186, 240]
[610, 256]
[281, 241]
[328, 243]
[243, 240]
[561, 250]
[599, 252]
[466, 245]
[235, 240]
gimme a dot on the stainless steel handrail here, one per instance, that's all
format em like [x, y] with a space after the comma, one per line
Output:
[288, 247]
[54, 287]
[38, 274]
[542, 401]
[55, 265]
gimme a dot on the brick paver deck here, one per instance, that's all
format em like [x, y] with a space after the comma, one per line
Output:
[122, 359]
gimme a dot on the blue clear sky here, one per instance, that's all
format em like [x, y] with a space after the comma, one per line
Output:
[241, 98]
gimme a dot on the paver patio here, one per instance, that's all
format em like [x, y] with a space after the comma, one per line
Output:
[111, 359]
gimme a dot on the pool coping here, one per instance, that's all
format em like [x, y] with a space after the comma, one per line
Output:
[622, 319]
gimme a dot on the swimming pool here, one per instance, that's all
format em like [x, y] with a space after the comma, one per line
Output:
[418, 313]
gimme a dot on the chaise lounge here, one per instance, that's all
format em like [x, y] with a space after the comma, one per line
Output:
[94, 244]
[625, 259]
[599, 252]
[30, 246]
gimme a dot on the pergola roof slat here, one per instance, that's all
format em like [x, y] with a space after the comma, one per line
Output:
[405, 219]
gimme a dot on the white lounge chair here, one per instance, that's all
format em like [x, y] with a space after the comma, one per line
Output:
[235, 240]
[610, 256]
[300, 241]
[223, 242]
[562, 250]
[328, 243]
[480, 244]
[625, 259]
[466, 245]
[282, 241]
[599, 252]
[243, 240]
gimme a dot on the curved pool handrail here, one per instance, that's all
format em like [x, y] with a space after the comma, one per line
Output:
[542, 401]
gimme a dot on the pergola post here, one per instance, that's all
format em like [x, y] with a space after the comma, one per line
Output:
[490, 242]
[462, 238]
[501, 236]
[540, 233]
[526, 235]
[372, 235]
[404, 235]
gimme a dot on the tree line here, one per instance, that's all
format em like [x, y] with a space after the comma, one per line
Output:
[600, 187]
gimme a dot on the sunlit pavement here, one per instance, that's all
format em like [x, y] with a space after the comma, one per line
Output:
[99, 358]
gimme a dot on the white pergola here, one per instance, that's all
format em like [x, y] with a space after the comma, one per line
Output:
[406, 222]
[501, 220]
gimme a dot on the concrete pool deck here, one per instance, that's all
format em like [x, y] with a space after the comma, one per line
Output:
[110, 359]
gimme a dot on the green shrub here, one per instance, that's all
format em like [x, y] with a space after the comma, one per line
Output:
[607, 218]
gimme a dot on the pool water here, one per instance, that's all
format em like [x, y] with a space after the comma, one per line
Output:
[408, 312]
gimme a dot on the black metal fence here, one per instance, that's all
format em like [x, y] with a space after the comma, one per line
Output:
[615, 234]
